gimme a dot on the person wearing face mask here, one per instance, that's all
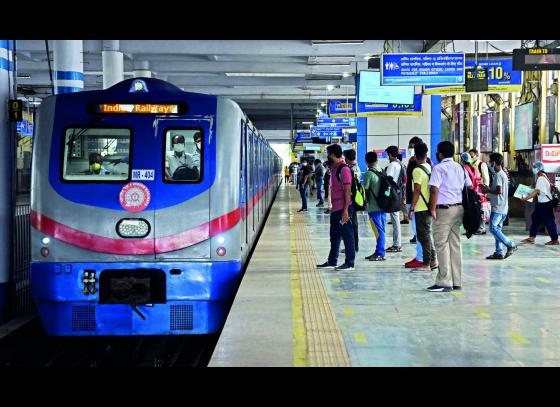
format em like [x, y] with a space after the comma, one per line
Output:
[543, 213]
[178, 158]
[480, 166]
[96, 165]
[195, 156]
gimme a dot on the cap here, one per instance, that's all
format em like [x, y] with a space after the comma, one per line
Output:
[178, 139]
[539, 166]
[465, 157]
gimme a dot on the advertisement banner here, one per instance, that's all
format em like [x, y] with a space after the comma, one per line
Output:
[342, 108]
[376, 109]
[423, 69]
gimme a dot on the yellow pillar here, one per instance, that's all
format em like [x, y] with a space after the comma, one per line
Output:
[542, 107]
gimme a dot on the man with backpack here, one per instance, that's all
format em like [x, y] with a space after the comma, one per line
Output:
[480, 166]
[377, 216]
[396, 172]
[319, 175]
[341, 214]
[447, 182]
[350, 156]
[419, 208]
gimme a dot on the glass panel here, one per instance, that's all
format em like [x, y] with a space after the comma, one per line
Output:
[96, 154]
[183, 154]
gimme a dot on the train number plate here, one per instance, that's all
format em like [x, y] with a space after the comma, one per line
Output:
[143, 175]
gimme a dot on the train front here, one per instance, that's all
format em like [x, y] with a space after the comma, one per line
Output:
[125, 239]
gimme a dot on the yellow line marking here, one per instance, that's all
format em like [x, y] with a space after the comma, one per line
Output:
[481, 313]
[543, 280]
[520, 339]
[299, 333]
[336, 280]
[518, 268]
[342, 294]
[359, 337]
[348, 312]
[458, 294]
[476, 251]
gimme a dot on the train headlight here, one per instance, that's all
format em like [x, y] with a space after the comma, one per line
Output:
[221, 239]
[44, 251]
[45, 240]
[133, 228]
[221, 251]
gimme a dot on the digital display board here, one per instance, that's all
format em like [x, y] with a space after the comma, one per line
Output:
[476, 79]
[137, 108]
[525, 126]
[371, 91]
[423, 69]
[536, 59]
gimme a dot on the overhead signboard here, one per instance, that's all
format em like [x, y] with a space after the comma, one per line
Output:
[376, 109]
[536, 59]
[476, 79]
[337, 122]
[323, 131]
[342, 108]
[501, 78]
[423, 69]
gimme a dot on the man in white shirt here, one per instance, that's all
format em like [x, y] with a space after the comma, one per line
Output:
[395, 170]
[178, 158]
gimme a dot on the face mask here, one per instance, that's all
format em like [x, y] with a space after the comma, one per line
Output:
[179, 147]
[535, 171]
[96, 167]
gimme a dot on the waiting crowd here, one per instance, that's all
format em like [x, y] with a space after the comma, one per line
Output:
[435, 199]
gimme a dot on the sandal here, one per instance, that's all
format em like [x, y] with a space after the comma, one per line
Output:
[552, 243]
[528, 241]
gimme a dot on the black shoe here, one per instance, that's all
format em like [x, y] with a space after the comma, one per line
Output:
[302, 210]
[413, 240]
[495, 256]
[457, 287]
[327, 211]
[438, 288]
[376, 257]
[480, 232]
[404, 222]
[394, 249]
[345, 267]
[325, 265]
[320, 204]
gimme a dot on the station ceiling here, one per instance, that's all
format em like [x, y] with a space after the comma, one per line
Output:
[268, 78]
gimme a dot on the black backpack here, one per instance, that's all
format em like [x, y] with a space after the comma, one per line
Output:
[472, 209]
[357, 190]
[390, 194]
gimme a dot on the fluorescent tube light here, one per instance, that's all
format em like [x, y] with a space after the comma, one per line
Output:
[267, 74]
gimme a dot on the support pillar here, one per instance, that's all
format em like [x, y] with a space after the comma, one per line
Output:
[68, 66]
[142, 69]
[113, 65]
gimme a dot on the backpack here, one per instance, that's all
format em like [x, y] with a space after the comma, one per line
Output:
[472, 209]
[357, 190]
[476, 182]
[390, 194]
[554, 194]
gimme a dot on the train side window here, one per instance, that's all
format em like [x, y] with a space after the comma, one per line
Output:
[96, 154]
[183, 154]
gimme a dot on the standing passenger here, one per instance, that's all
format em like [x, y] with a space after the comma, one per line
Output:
[377, 217]
[395, 170]
[419, 210]
[543, 212]
[341, 215]
[303, 184]
[350, 156]
[319, 176]
[286, 175]
[480, 166]
[499, 202]
[327, 181]
[446, 196]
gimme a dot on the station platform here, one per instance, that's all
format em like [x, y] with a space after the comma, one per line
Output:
[288, 313]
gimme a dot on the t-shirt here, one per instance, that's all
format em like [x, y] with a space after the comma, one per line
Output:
[357, 171]
[412, 164]
[544, 189]
[337, 189]
[499, 203]
[421, 178]
[320, 171]
[394, 170]
[371, 186]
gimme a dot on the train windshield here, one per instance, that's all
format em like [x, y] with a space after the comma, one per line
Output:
[96, 154]
[183, 154]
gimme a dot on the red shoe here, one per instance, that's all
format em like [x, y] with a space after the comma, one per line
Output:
[413, 264]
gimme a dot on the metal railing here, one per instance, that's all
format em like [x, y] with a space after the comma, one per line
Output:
[22, 301]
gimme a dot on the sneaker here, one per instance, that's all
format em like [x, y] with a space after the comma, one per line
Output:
[495, 256]
[320, 205]
[394, 249]
[437, 288]
[344, 267]
[376, 257]
[421, 269]
[328, 211]
[325, 265]
[529, 240]
[413, 263]
[552, 243]
[404, 222]
[457, 287]
[413, 240]
[302, 210]
[510, 251]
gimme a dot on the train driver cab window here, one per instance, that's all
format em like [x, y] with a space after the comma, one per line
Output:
[183, 155]
[96, 154]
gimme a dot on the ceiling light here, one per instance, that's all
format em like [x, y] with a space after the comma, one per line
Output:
[266, 74]
[346, 74]
[330, 87]
[337, 42]
[327, 64]
[323, 104]
[23, 76]
[307, 122]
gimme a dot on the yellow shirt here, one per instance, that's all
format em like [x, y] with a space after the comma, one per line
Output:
[420, 177]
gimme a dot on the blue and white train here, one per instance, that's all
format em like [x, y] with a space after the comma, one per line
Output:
[145, 204]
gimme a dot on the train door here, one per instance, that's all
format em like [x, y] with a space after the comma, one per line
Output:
[185, 160]
[243, 184]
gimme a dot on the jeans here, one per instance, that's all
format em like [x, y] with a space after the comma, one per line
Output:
[377, 220]
[344, 232]
[543, 213]
[303, 194]
[496, 223]
[413, 227]
[319, 182]
[355, 227]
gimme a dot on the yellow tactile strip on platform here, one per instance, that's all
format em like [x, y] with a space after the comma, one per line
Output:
[324, 341]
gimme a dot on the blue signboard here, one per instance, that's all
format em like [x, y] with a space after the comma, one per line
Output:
[337, 122]
[323, 132]
[342, 108]
[389, 109]
[302, 137]
[22, 126]
[501, 78]
[423, 69]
